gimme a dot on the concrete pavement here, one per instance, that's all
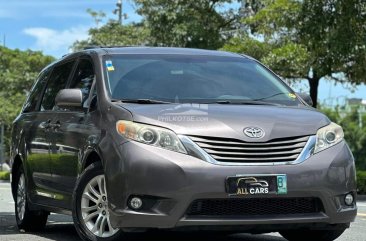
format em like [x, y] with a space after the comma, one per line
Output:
[60, 228]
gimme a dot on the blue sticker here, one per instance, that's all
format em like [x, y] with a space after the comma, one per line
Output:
[109, 65]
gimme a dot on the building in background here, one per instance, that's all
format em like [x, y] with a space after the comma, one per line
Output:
[352, 103]
[359, 105]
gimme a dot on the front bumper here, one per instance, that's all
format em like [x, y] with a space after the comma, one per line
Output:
[175, 180]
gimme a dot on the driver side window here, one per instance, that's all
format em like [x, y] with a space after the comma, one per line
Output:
[83, 79]
[56, 82]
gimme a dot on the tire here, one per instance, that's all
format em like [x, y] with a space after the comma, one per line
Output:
[90, 194]
[313, 235]
[27, 220]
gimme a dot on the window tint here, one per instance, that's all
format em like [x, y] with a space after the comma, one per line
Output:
[193, 79]
[36, 92]
[57, 81]
[83, 78]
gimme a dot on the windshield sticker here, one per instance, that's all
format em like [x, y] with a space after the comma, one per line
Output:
[176, 72]
[292, 96]
[109, 65]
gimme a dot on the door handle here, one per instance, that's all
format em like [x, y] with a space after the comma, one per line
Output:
[56, 125]
[47, 124]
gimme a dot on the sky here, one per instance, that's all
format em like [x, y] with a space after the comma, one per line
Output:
[52, 26]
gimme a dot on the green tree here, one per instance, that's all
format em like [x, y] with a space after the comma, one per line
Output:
[114, 34]
[186, 23]
[354, 134]
[97, 16]
[250, 46]
[312, 39]
[18, 71]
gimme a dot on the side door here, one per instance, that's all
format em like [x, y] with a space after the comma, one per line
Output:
[36, 144]
[47, 114]
[70, 136]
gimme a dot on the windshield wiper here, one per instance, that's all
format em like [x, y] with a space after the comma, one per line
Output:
[244, 102]
[271, 96]
[142, 101]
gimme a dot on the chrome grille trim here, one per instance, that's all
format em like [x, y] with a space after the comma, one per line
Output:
[228, 141]
[298, 145]
[256, 154]
[286, 149]
[305, 153]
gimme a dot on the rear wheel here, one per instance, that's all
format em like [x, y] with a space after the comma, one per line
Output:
[313, 235]
[27, 220]
[90, 207]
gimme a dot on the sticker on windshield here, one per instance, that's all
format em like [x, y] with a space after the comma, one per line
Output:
[109, 65]
[292, 96]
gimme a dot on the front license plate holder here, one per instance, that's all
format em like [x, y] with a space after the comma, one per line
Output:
[252, 185]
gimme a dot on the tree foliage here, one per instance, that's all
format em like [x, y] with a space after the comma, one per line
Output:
[114, 34]
[252, 47]
[18, 71]
[355, 135]
[186, 23]
[334, 32]
[311, 39]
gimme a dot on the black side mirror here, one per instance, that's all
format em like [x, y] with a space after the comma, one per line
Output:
[69, 98]
[306, 98]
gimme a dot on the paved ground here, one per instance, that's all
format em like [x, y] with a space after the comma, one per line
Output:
[60, 228]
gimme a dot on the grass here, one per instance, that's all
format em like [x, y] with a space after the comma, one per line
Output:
[5, 176]
[361, 182]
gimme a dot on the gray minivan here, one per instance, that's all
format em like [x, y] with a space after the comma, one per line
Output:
[137, 138]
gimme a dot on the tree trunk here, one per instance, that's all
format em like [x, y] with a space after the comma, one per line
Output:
[314, 84]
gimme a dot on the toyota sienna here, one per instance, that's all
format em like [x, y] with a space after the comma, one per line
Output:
[128, 139]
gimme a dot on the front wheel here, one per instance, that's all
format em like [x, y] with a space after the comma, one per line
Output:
[314, 235]
[90, 207]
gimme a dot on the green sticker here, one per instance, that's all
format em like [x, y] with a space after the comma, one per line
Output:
[282, 184]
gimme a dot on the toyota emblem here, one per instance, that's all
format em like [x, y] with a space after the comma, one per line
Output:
[254, 132]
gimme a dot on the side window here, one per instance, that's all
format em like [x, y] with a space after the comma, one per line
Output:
[57, 82]
[36, 92]
[83, 78]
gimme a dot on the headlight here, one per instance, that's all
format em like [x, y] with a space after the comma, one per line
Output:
[151, 135]
[328, 136]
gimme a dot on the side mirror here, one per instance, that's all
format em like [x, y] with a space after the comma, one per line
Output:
[69, 98]
[305, 97]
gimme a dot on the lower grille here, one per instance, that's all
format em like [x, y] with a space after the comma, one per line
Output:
[254, 207]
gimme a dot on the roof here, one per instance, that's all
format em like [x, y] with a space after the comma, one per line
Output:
[161, 50]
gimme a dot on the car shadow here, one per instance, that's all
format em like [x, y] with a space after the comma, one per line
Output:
[60, 228]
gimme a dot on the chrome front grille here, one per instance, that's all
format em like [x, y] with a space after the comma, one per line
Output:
[237, 151]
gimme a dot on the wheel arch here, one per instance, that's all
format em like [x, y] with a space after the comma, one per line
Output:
[17, 163]
[91, 157]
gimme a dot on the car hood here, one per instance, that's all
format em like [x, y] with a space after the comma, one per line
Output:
[230, 120]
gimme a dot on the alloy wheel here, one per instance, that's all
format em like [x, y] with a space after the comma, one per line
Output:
[94, 208]
[21, 197]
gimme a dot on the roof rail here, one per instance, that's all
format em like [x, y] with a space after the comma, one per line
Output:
[111, 46]
[92, 47]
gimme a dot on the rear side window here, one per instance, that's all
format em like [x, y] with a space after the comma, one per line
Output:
[57, 82]
[36, 93]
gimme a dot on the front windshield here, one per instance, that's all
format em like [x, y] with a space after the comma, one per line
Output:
[193, 79]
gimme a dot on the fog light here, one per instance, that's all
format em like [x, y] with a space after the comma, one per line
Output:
[349, 199]
[136, 203]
